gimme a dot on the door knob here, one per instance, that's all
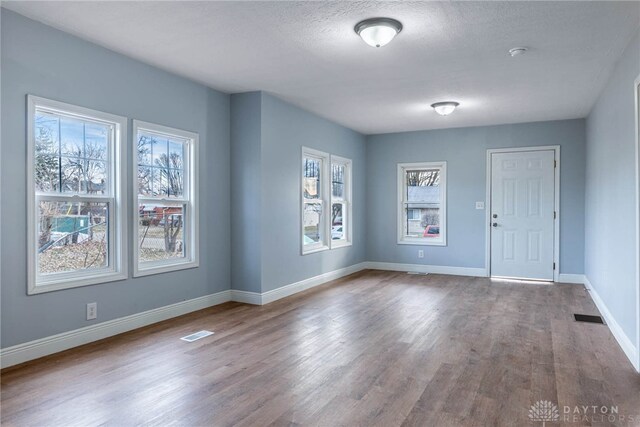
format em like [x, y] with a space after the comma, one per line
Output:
[495, 224]
[495, 215]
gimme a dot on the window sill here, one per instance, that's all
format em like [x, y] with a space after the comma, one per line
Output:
[336, 244]
[421, 242]
[164, 268]
[314, 250]
[61, 284]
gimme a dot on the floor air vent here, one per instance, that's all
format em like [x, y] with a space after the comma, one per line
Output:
[417, 273]
[196, 336]
[588, 318]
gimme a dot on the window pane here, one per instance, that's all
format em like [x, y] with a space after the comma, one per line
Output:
[46, 152]
[46, 134]
[72, 236]
[174, 181]
[145, 146]
[72, 174]
[71, 137]
[159, 182]
[95, 177]
[145, 180]
[173, 168]
[312, 221]
[423, 222]
[161, 232]
[47, 172]
[337, 221]
[159, 150]
[166, 156]
[337, 181]
[96, 141]
[176, 153]
[311, 176]
[423, 186]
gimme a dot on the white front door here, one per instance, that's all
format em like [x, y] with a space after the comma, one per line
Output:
[522, 214]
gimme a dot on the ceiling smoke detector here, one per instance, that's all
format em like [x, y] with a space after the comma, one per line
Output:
[515, 51]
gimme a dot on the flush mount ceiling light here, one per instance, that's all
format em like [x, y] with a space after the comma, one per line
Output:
[377, 32]
[515, 51]
[445, 108]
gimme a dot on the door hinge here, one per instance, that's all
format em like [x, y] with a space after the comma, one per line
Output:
[554, 265]
[554, 214]
[555, 164]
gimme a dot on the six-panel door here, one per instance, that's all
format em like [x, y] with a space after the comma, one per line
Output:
[522, 214]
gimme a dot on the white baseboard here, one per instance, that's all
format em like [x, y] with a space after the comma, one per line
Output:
[303, 285]
[578, 279]
[254, 298]
[257, 298]
[625, 342]
[423, 268]
[53, 344]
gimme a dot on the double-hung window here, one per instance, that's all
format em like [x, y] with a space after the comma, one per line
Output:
[422, 207]
[340, 202]
[326, 201]
[76, 207]
[315, 168]
[165, 196]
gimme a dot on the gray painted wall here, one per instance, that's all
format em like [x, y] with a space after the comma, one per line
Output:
[39, 60]
[267, 139]
[246, 191]
[610, 255]
[285, 130]
[465, 150]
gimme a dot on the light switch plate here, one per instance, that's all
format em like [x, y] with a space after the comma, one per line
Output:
[479, 205]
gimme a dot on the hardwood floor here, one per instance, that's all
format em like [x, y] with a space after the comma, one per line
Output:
[374, 348]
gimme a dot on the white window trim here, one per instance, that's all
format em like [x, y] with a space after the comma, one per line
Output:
[117, 270]
[192, 226]
[422, 241]
[324, 199]
[346, 200]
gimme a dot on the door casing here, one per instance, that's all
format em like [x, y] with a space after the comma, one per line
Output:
[636, 90]
[556, 222]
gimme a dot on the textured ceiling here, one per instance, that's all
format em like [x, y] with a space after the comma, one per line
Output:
[308, 54]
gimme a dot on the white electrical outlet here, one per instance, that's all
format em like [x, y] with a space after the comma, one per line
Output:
[92, 310]
[479, 205]
[420, 253]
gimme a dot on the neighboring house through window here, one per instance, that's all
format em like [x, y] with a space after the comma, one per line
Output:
[165, 189]
[422, 203]
[76, 229]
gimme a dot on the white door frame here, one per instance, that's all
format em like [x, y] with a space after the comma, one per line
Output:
[556, 222]
[636, 87]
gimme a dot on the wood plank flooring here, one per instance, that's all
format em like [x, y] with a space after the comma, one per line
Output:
[374, 348]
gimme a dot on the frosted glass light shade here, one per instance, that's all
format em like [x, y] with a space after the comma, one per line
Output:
[377, 32]
[378, 36]
[445, 108]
